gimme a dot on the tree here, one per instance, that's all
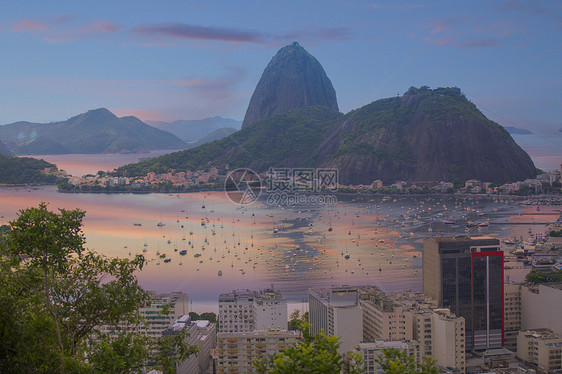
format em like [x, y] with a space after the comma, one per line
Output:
[394, 361]
[54, 294]
[312, 354]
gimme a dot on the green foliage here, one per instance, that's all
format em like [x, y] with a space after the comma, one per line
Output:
[289, 139]
[54, 293]
[543, 277]
[312, 354]
[23, 170]
[173, 349]
[555, 233]
[298, 322]
[394, 361]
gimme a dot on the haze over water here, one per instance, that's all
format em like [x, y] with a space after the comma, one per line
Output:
[383, 237]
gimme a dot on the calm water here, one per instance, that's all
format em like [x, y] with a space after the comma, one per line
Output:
[382, 236]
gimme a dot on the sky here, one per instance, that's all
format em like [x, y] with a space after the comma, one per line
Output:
[169, 60]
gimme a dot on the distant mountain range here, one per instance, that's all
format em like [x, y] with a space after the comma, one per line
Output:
[4, 149]
[194, 130]
[425, 135]
[96, 131]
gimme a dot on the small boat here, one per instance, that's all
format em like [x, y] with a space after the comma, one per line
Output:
[160, 224]
[183, 252]
[346, 257]
[220, 273]
[168, 260]
[329, 229]
[137, 224]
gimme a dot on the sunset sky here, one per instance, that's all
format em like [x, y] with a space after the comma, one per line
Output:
[188, 60]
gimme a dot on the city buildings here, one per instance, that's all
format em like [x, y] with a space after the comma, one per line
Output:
[336, 311]
[540, 348]
[465, 274]
[202, 334]
[384, 318]
[162, 311]
[236, 351]
[244, 310]
[372, 350]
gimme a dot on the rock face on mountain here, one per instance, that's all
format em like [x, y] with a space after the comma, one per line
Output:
[425, 135]
[4, 150]
[96, 131]
[293, 79]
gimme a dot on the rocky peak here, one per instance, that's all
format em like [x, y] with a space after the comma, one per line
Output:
[293, 79]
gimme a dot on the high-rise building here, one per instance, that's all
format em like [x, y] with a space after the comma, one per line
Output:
[244, 310]
[336, 311]
[465, 274]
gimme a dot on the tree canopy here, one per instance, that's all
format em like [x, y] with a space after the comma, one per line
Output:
[55, 295]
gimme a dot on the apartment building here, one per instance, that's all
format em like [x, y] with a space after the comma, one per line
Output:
[541, 349]
[245, 310]
[236, 351]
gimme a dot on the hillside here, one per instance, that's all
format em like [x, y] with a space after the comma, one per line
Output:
[25, 170]
[96, 131]
[425, 135]
[215, 135]
[287, 140]
[4, 149]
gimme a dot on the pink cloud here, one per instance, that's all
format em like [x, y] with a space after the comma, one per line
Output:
[29, 25]
[522, 45]
[141, 113]
[445, 24]
[60, 29]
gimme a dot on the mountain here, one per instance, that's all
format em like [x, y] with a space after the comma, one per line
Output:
[96, 131]
[293, 79]
[286, 140]
[218, 134]
[517, 131]
[24, 170]
[4, 150]
[194, 130]
[425, 135]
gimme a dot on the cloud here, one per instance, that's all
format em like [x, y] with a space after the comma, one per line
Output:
[478, 43]
[445, 24]
[63, 28]
[194, 32]
[30, 26]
